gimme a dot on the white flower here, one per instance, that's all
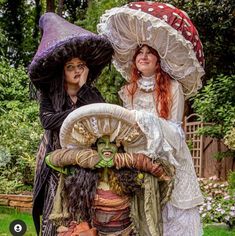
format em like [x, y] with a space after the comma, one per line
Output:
[227, 197]
[222, 211]
[209, 207]
[232, 208]
[203, 215]
[232, 213]
[209, 198]
[218, 209]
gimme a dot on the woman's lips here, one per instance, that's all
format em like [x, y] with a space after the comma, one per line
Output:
[76, 77]
[143, 62]
[107, 153]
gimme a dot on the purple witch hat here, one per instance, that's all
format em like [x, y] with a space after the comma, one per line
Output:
[62, 41]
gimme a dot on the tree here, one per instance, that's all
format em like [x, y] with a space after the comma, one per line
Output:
[50, 6]
[214, 20]
[17, 24]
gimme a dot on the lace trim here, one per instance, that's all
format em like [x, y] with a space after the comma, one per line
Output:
[147, 83]
[188, 75]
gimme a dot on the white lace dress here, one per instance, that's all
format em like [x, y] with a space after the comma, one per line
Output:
[166, 140]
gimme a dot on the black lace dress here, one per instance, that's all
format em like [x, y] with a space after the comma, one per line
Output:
[46, 179]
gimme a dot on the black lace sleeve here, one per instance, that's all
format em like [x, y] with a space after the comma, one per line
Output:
[87, 95]
[50, 119]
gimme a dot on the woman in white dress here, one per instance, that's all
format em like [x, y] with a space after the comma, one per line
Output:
[158, 51]
[152, 90]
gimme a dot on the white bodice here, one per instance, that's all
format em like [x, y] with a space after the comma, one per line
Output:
[166, 140]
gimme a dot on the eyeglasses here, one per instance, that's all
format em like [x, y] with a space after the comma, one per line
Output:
[71, 67]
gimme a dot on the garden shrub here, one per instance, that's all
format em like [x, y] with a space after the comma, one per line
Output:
[20, 129]
[231, 182]
[229, 138]
[215, 103]
[219, 204]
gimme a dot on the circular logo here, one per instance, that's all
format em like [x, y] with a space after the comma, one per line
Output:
[17, 228]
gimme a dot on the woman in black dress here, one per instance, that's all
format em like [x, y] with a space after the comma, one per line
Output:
[69, 59]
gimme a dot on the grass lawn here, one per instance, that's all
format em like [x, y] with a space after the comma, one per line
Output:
[7, 215]
[210, 230]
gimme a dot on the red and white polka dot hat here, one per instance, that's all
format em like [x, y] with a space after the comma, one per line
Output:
[164, 28]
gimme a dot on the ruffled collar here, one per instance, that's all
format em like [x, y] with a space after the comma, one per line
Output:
[147, 83]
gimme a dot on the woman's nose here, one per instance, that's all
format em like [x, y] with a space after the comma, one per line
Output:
[144, 55]
[79, 69]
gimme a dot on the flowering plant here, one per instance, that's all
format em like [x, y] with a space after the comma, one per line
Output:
[219, 204]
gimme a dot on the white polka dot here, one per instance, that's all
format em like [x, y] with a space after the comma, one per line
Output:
[200, 53]
[150, 9]
[169, 5]
[188, 33]
[187, 23]
[196, 37]
[137, 5]
[195, 44]
[177, 24]
[178, 16]
[161, 6]
[165, 18]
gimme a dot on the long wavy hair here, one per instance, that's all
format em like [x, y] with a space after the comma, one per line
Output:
[162, 91]
[80, 189]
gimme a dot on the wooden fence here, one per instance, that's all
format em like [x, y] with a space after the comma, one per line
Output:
[203, 150]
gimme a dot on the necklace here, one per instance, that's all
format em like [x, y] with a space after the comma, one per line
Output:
[147, 83]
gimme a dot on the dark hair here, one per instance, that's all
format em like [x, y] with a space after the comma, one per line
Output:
[80, 190]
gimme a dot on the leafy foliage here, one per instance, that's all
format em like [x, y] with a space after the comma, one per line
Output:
[19, 127]
[230, 139]
[94, 11]
[231, 181]
[110, 80]
[16, 23]
[109, 84]
[215, 103]
[214, 20]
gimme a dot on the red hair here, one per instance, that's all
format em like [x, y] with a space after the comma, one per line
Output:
[163, 94]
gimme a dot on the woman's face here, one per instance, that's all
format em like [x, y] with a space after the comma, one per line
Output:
[146, 61]
[76, 72]
[106, 149]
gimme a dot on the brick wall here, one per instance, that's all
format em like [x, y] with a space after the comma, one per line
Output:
[21, 202]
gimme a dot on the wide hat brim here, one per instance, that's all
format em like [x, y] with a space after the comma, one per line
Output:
[62, 41]
[86, 124]
[163, 27]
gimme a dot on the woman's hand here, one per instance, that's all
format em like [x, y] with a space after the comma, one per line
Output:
[83, 76]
